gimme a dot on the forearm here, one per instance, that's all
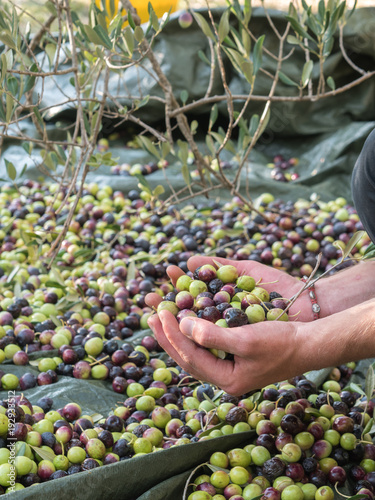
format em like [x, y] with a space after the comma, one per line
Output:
[339, 338]
[346, 288]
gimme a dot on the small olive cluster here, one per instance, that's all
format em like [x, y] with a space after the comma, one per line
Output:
[223, 297]
[306, 445]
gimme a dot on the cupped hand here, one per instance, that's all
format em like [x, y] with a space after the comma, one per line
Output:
[266, 277]
[264, 353]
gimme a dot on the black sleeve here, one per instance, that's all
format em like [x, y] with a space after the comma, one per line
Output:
[363, 185]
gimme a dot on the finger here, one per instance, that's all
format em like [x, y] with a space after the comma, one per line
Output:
[174, 273]
[155, 324]
[153, 299]
[194, 359]
[233, 340]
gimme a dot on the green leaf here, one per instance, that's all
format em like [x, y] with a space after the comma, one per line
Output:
[183, 151]
[313, 411]
[165, 149]
[322, 10]
[194, 126]
[140, 103]
[306, 72]
[204, 26]
[257, 55]
[50, 50]
[236, 58]
[355, 387]
[30, 80]
[210, 144]
[146, 144]
[51, 7]
[186, 174]
[358, 497]
[247, 71]
[357, 236]
[293, 40]
[369, 383]
[96, 417]
[9, 107]
[154, 21]
[184, 96]
[368, 426]
[214, 428]
[158, 191]
[247, 10]
[6, 38]
[92, 35]
[254, 122]
[38, 116]
[370, 250]
[331, 83]
[11, 170]
[246, 42]
[130, 20]
[224, 27]
[4, 67]
[23, 170]
[56, 276]
[213, 116]
[55, 320]
[202, 56]
[104, 38]
[21, 450]
[54, 284]
[129, 40]
[138, 34]
[142, 181]
[264, 119]
[298, 28]
[44, 454]
[131, 272]
[288, 81]
[12, 84]
[328, 46]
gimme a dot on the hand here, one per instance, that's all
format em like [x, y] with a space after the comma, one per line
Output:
[269, 278]
[264, 353]
[255, 348]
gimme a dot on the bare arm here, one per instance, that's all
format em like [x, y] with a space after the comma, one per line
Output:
[266, 352]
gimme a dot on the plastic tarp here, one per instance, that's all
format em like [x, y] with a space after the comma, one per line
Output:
[326, 135]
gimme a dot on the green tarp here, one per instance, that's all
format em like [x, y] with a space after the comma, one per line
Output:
[326, 136]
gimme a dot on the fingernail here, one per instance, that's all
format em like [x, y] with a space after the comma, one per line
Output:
[187, 325]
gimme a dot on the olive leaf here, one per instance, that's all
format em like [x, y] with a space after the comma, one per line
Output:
[21, 451]
[355, 388]
[369, 383]
[96, 417]
[215, 468]
[11, 170]
[13, 274]
[357, 236]
[368, 426]
[131, 272]
[44, 454]
[313, 411]
[357, 497]
[214, 428]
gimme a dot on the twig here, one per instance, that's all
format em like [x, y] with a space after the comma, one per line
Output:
[37, 38]
[344, 53]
